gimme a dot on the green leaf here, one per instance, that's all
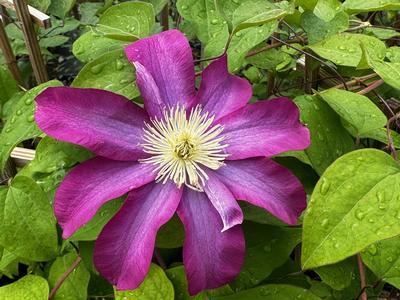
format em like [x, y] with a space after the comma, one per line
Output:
[354, 204]
[359, 112]
[178, 278]
[91, 230]
[171, 234]
[8, 86]
[357, 6]
[380, 135]
[329, 140]
[318, 30]
[41, 5]
[383, 258]
[29, 287]
[381, 33]
[345, 48]
[337, 276]
[156, 286]
[388, 71]
[3, 195]
[75, 285]
[111, 71]
[272, 292]
[28, 216]
[21, 126]
[158, 5]
[258, 214]
[92, 45]
[60, 27]
[273, 59]
[393, 54]
[134, 18]
[267, 247]
[61, 8]
[258, 12]
[326, 9]
[53, 41]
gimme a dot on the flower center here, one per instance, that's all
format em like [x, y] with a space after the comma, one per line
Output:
[182, 147]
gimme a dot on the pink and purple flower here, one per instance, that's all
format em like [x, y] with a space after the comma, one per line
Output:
[191, 152]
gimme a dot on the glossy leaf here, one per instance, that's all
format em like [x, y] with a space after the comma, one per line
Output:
[357, 6]
[8, 86]
[337, 276]
[29, 287]
[61, 8]
[354, 204]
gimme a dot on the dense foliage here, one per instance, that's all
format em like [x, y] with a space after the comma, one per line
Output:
[339, 62]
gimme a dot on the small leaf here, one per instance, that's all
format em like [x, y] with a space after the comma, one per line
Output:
[329, 140]
[380, 134]
[357, 6]
[28, 216]
[111, 71]
[360, 113]
[337, 276]
[383, 258]
[21, 126]
[75, 285]
[53, 41]
[29, 287]
[354, 204]
[156, 286]
[326, 9]
[381, 33]
[60, 8]
[272, 292]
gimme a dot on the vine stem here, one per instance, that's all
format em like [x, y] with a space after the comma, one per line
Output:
[371, 87]
[362, 278]
[64, 276]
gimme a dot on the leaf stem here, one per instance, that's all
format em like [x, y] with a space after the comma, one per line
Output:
[362, 278]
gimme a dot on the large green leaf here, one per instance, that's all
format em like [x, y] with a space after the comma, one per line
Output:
[21, 126]
[337, 276]
[360, 114]
[29, 287]
[318, 30]
[357, 6]
[329, 140]
[345, 48]
[255, 13]
[267, 247]
[61, 8]
[111, 71]
[326, 9]
[354, 204]
[41, 5]
[156, 286]
[178, 278]
[29, 226]
[75, 286]
[8, 86]
[272, 292]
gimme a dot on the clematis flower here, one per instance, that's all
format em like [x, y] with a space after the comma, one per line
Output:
[191, 152]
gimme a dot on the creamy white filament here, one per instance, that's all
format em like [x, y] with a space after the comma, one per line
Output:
[181, 147]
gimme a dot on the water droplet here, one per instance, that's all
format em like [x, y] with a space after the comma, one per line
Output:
[28, 101]
[325, 185]
[120, 64]
[214, 21]
[238, 34]
[264, 292]
[382, 206]
[96, 69]
[184, 7]
[342, 47]
[336, 246]
[389, 259]
[325, 222]
[30, 118]
[267, 248]
[360, 214]
[13, 119]
[19, 112]
[8, 129]
[380, 196]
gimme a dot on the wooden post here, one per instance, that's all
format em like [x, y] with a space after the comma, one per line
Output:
[8, 54]
[32, 44]
[38, 17]
[165, 17]
[311, 72]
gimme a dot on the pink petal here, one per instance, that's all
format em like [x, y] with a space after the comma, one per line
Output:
[223, 201]
[167, 61]
[264, 128]
[105, 123]
[125, 247]
[212, 258]
[221, 93]
[91, 184]
[266, 184]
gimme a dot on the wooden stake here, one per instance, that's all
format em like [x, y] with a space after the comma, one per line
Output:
[38, 17]
[32, 44]
[8, 54]
[165, 17]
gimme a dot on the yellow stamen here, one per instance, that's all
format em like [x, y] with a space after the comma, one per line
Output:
[181, 147]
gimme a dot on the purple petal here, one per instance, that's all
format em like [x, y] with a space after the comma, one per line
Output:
[221, 93]
[104, 122]
[266, 184]
[167, 61]
[91, 184]
[264, 128]
[125, 247]
[223, 201]
[212, 258]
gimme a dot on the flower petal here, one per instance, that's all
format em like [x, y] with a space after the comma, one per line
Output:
[264, 128]
[105, 123]
[221, 93]
[167, 58]
[212, 258]
[223, 201]
[89, 185]
[125, 247]
[266, 184]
